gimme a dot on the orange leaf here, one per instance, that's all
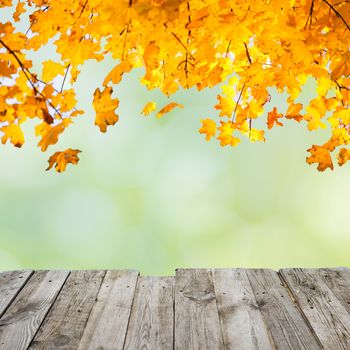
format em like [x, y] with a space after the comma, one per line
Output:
[272, 118]
[61, 159]
[320, 155]
[208, 128]
[115, 75]
[105, 107]
[169, 107]
[343, 156]
[293, 112]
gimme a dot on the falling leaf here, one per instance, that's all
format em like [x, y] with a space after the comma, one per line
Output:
[62, 158]
[169, 107]
[149, 107]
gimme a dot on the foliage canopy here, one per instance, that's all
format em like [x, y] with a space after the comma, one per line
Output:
[249, 46]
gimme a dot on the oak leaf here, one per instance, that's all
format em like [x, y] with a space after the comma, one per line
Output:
[105, 107]
[62, 158]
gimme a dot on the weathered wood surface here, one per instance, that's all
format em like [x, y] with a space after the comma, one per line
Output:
[199, 309]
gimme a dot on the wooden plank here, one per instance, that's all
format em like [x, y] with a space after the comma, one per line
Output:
[326, 315]
[23, 318]
[152, 314]
[288, 328]
[338, 281]
[11, 283]
[242, 324]
[108, 321]
[197, 324]
[64, 324]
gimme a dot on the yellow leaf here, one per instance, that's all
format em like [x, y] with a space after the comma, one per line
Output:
[61, 159]
[151, 59]
[149, 107]
[208, 128]
[49, 134]
[51, 69]
[115, 75]
[169, 107]
[226, 134]
[105, 107]
[343, 156]
[13, 133]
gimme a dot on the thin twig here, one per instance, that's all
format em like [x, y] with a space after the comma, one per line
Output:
[184, 46]
[247, 53]
[337, 13]
[65, 77]
[239, 98]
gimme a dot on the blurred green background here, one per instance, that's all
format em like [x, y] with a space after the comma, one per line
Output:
[154, 195]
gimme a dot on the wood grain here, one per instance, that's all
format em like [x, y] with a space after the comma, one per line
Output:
[197, 324]
[64, 325]
[11, 283]
[24, 316]
[286, 324]
[242, 324]
[326, 315]
[151, 321]
[108, 321]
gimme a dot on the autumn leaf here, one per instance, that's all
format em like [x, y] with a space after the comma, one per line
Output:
[226, 134]
[293, 112]
[51, 69]
[61, 159]
[343, 156]
[50, 133]
[272, 118]
[169, 107]
[14, 133]
[105, 107]
[148, 108]
[151, 59]
[208, 128]
[320, 155]
[115, 75]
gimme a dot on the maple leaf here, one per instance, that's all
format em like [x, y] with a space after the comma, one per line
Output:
[208, 128]
[166, 109]
[148, 108]
[14, 133]
[293, 112]
[51, 69]
[343, 156]
[272, 118]
[62, 158]
[105, 107]
[320, 155]
[226, 134]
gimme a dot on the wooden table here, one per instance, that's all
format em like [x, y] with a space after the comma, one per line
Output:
[197, 309]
